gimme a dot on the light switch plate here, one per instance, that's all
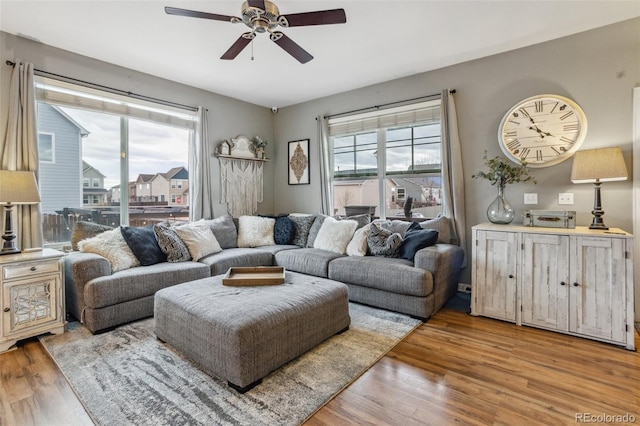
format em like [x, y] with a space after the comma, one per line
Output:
[531, 198]
[565, 198]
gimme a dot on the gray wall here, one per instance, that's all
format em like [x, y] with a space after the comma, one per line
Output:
[227, 117]
[598, 69]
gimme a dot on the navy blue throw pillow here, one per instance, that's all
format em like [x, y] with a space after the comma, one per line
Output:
[416, 238]
[142, 242]
[284, 231]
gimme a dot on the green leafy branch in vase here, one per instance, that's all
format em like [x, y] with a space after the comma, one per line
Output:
[502, 172]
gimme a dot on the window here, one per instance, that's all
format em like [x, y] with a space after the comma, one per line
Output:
[121, 139]
[46, 147]
[383, 158]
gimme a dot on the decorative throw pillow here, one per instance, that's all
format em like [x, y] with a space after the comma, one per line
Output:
[416, 239]
[199, 239]
[315, 228]
[303, 225]
[142, 242]
[395, 226]
[334, 235]
[443, 226]
[112, 246]
[362, 219]
[382, 242]
[284, 231]
[224, 230]
[170, 243]
[83, 230]
[358, 245]
[255, 231]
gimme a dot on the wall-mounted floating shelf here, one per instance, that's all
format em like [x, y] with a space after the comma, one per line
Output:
[232, 157]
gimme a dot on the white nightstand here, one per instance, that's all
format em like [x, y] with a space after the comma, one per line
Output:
[32, 297]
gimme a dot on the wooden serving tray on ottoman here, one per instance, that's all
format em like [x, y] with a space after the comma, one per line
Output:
[259, 275]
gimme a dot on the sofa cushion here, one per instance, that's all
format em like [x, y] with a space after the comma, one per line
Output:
[277, 248]
[112, 246]
[142, 242]
[198, 238]
[303, 225]
[140, 282]
[170, 243]
[255, 231]
[225, 231]
[219, 263]
[358, 246]
[334, 235]
[416, 239]
[443, 226]
[83, 230]
[315, 228]
[383, 273]
[311, 261]
[383, 242]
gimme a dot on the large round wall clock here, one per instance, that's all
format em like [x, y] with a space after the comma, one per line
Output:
[542, 130]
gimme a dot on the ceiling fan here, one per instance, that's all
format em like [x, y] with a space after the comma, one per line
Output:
[263, 16]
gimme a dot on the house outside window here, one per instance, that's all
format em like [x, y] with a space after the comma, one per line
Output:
[154, 135]
[380, 159]
[46, 147]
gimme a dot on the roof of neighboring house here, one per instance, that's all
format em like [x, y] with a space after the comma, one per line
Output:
[86, 167]
[144, 178]
[83, 132]
[176, 173]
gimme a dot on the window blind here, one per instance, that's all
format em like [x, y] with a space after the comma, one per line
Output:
[421, 113]
[71, 95]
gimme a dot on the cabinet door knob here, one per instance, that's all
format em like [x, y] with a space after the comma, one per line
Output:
[563, 283]
[7, 309]
[576, 284]
[33, 268]
[510, 276]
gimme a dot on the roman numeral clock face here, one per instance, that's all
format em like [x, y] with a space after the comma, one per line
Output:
[542, 130]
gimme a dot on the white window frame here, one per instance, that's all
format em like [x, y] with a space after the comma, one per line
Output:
[53, 147]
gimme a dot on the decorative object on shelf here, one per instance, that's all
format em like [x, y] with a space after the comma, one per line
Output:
[258, 146]
[597, 166]
[549, 218]
[502, 173]
[542, 130]
[16, 187]
[299, 162]
[224, 148]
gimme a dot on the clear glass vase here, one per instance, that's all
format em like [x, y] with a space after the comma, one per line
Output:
[500, 211]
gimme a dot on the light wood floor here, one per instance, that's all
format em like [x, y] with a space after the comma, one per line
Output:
[455, 369]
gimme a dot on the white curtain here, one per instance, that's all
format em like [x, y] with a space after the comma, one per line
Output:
[452, 174]
[19, 149]
[200, 158]
[326, 185]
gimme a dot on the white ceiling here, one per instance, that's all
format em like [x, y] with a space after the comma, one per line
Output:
[382, 40]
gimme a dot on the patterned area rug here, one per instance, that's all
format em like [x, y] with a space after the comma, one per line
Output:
[128, 377]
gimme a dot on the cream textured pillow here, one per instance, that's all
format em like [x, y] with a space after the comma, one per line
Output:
[255, 231]
[334, 235]
[112, 246]
[443, 226]
[198, 238]
[358, 244]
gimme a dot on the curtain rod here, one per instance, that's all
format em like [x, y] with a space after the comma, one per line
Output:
[385, 105]
[109, 89]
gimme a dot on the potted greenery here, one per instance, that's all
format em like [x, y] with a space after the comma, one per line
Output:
[258, 146]
[501, 173]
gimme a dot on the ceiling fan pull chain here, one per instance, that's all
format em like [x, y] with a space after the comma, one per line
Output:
[252, 49]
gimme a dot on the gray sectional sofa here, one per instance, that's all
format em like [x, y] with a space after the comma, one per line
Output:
[103, 299]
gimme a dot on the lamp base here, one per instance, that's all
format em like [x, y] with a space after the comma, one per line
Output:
[597, 211]
[9, 251]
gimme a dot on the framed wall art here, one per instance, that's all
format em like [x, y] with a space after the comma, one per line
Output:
[298, 163]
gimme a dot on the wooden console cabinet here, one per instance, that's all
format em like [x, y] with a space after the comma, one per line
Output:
[32, 297]
[575, 281]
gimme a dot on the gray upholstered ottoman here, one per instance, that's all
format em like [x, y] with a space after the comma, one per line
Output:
[242, 333]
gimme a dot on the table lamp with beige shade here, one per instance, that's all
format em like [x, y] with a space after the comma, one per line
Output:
[16, 187]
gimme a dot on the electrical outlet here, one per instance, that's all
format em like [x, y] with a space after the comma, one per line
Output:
[565, 198]
[531, 198]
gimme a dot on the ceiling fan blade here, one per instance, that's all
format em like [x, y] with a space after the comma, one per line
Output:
[321, 17]
[257, 3]
[291, 47]
[237, 47]
[196, 14]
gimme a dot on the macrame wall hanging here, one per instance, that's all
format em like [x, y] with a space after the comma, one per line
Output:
[241, 175]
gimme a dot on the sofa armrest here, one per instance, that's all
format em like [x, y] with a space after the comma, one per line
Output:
[444, 261]
[79, 269]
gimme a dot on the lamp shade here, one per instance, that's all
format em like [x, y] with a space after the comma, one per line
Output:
[18, 187]
[598, 165]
